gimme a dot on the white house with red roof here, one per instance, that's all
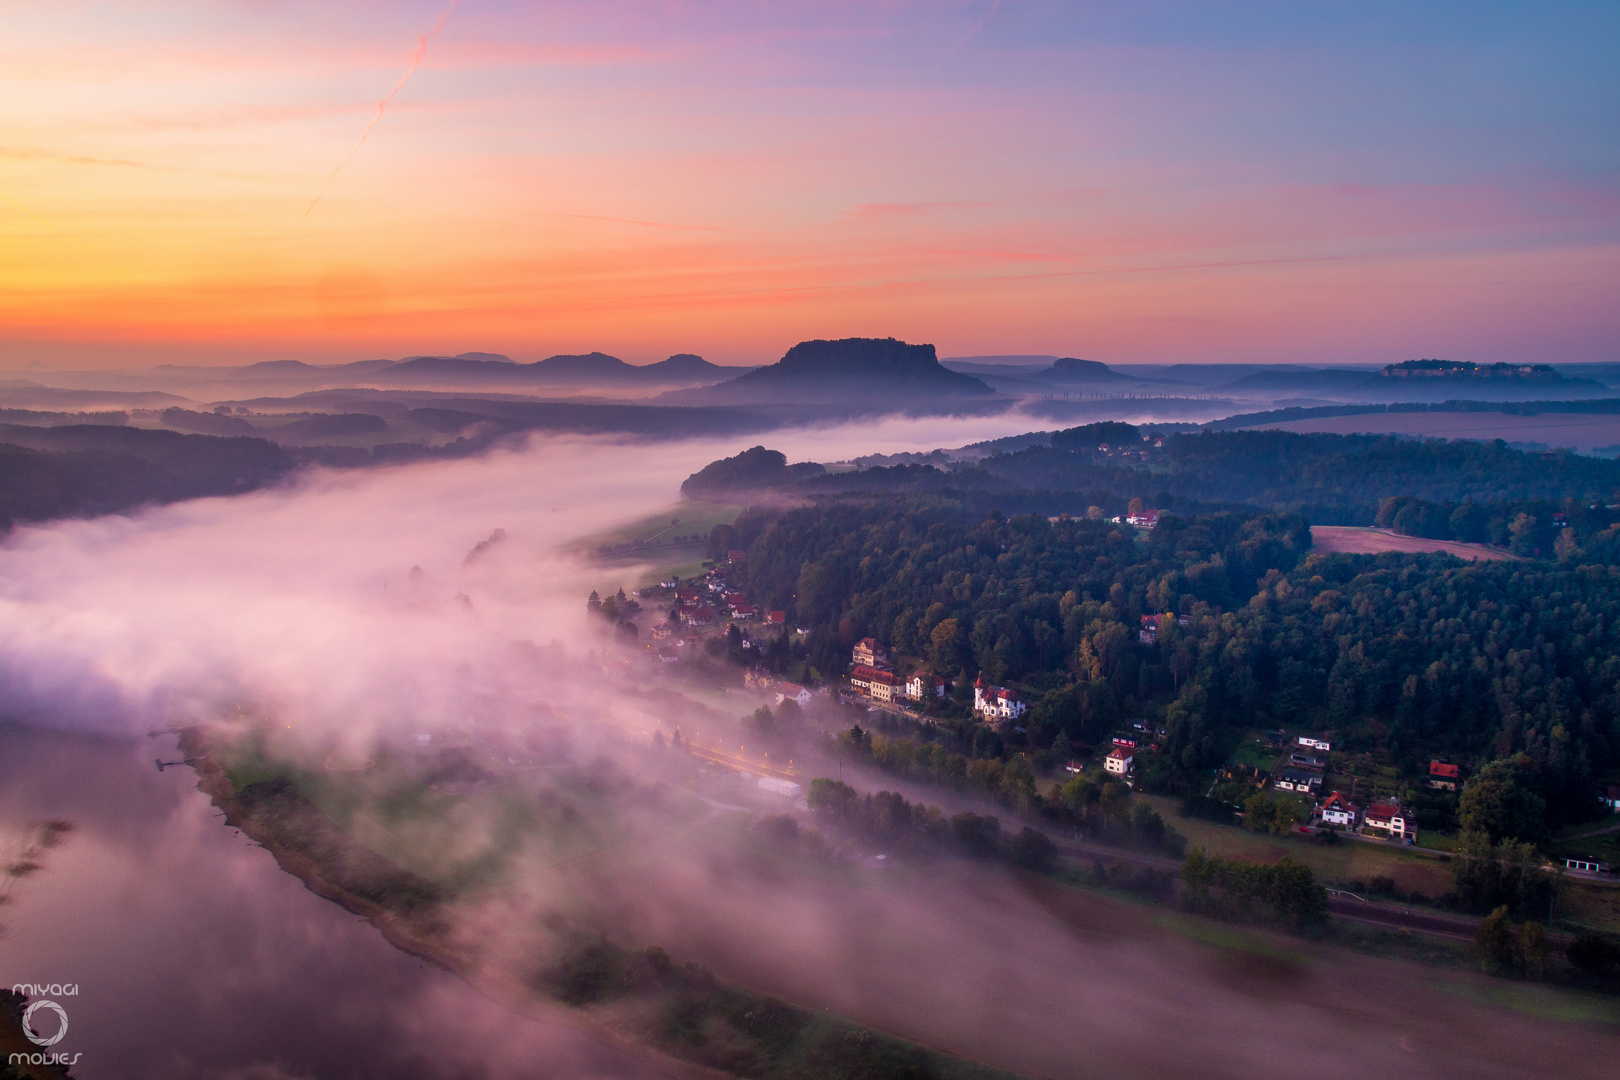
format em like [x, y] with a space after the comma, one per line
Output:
[1391, 818]
[997, 703]
[1119, 760]
[1338, 810]
[924, 685]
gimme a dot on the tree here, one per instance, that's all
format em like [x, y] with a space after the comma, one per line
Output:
[1032, 849]
[1531, 950]
[1115, 800]
[832, 799]
[593, 604]
[856, 743]
[1495, 941]
[946, 645]
[1501, 802]
[1258, 813]
[979, 834]
[1147, 824]
[1595, 955]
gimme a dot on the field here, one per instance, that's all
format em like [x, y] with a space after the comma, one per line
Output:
[672, 542]
[1350, 540]
[1351, 860]
[1579, 431]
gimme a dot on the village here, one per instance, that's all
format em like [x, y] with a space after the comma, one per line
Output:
[1306, 787]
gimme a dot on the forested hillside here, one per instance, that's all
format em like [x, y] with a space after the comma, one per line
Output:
[1419, 656]
[1333, 479]
[81, 470]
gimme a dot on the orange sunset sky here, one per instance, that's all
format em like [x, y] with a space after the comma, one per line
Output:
[1150, 182]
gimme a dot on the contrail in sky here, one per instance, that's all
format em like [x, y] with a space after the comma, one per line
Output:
[416, 62]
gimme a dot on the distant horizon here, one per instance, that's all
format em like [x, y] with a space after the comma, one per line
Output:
[988, 359]
[1144, 184]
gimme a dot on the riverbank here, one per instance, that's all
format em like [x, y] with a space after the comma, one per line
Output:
[678, 1018]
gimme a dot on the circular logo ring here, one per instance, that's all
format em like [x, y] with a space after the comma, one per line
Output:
[28, 1027]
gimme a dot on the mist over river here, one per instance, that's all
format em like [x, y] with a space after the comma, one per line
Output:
[364, 606]
[197, 958]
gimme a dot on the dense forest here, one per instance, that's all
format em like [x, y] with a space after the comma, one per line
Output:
[96, 469]
[1414, 657]
[1332, 479]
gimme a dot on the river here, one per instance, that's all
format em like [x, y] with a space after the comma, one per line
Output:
[197, 958]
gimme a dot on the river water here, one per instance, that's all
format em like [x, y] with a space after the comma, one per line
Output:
[197, 958]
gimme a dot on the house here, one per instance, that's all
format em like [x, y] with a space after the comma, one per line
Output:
[1075, 767]
[744, 611]
[869, 652]
[757, 678]
[1391, 818]
[996, 703]
[1247, 773]
[1587, 866]
[1443, 777]
[1148, 633]
[1307, 762]
[875, 683]
[1120, 740]
[736, 555]
[924, 685]
[1610, 797]
[1306, 783]
[1147, 519]
[776, 618]
[660, 631]
[1314, 744]
[698, 615]
[1338, 810]
[792, 692]
[1119, 760]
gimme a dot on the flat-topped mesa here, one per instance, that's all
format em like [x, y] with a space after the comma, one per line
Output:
[851, 369]
[1071, 369]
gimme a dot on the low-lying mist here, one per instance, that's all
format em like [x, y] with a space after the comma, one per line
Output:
[346, 601]
[356, 608]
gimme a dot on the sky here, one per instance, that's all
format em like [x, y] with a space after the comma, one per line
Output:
[1149, 182]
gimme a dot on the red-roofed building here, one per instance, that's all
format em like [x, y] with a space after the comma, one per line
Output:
[870, 652]
[875, 684]
[1391, 818]
[776, 618]
[1338, 810]
[1119, 760]
[923, 685]
[996, 703]
[1443, 777]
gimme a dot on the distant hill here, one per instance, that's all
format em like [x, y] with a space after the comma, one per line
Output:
[1067, 369]
[569, 369]
[752, 469]
[97, 469]
[850, 369]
